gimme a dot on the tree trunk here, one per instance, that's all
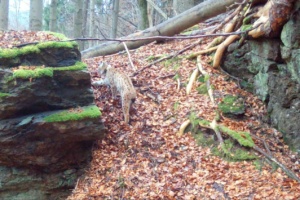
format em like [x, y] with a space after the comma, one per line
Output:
[143, 19]
[3, 15]
[170, 27]
[150, 15]
[36, 15]
[92, 21]
[78, 21]
[115, 19]
[53, 13]
[180, 6]
[85, 26]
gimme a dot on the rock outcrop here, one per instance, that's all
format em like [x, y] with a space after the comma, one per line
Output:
[48, 122]
[272, 67]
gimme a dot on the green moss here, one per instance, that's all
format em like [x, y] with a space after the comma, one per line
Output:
[36, 73]
[232, 152]
[246, 27]
[78, 66]
[242, 137]
[15, 52]
[54, 44]
[9, 53]
[29, 49]
[232, 105]
[74, 115]
[44, 72]
[173, 62]
[202, 89]
[4, 94]
[204, 140]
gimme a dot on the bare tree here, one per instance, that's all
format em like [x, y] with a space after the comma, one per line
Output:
[36, 15]
[53, 13]
[4, 15]
[92, 21]
[143, 19]
[115, 19]
[180, 6]
[78, 21]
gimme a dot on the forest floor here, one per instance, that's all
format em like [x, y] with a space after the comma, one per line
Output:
[148, 160]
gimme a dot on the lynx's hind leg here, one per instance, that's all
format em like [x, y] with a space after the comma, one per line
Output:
[126, 106]
[113, 91]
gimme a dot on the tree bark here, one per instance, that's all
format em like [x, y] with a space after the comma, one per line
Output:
[180, 6]
[78, 22]
[115, 19]
[143, 20]
[3, 15]
[36, 15]
[170, 27]
[53, 12]
[91, 21]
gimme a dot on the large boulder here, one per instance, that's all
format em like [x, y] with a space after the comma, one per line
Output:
[48, 121]
[272, 67]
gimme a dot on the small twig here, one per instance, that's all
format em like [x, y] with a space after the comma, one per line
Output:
[129, 57]
[145, 38]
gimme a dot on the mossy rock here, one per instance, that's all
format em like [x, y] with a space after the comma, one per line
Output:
[232, 106]
[2, 94]
[74, 114]
[44, 71]
[48, 53]
[233, 152]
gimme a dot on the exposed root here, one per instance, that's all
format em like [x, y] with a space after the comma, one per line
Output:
[191, 81]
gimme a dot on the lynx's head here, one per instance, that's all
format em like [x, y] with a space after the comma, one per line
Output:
[103, 66]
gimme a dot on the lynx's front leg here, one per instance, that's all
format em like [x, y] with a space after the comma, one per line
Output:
[98, 83]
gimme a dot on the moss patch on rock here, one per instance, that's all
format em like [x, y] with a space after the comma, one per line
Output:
[78, 66]
[45, 71]
[231, 152]
[232, 106]
[74, 114]
[15, 52]
[36, 73]
[4, 94]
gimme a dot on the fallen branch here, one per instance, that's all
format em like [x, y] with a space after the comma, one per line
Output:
[129, 57]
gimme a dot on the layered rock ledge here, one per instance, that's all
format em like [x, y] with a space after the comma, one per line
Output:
[48, 121]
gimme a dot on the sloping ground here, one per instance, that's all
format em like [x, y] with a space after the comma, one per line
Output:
[146, 160]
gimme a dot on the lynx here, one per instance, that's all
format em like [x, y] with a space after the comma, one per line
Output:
[120, 82]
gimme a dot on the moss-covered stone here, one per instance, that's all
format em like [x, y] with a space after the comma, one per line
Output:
[232, 152]
[44, 71]
[15, 52]
[74, 114]
[243, 138]
[2, 95]
[36, 73]
[232, 106]
[78, 66]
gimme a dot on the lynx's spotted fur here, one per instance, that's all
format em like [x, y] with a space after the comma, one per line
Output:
[118, 81]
